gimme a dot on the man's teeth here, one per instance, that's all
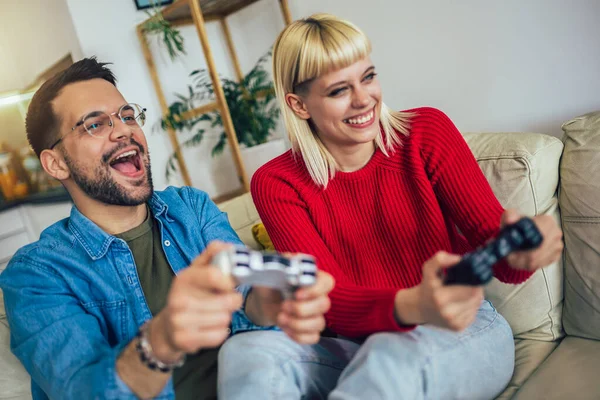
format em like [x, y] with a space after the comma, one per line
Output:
[127, 154]
[360, 120]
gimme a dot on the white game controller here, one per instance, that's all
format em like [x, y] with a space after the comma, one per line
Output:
[254, 268]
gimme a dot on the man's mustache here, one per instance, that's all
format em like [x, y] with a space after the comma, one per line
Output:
[108, 155]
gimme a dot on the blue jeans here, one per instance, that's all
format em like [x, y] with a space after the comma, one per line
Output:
[426, 363]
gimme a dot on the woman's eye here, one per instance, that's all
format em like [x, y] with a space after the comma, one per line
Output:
[337, 92]
[371, 76]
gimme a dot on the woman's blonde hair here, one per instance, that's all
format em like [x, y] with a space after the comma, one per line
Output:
[305, 50]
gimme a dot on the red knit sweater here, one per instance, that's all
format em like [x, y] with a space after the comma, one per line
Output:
[373, 229]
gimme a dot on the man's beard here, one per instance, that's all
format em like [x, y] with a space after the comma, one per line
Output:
[101, 186]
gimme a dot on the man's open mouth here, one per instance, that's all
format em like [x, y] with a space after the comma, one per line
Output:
[128, 163]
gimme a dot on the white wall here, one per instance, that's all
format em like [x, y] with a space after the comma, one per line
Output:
[12, 126]
[34, 34]
[491, 66]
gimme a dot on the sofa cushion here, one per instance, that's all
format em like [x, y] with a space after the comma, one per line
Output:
[242, 216]
[529, 354]
[522, 169]
[570, 372]
[580, 207]
[259, 232]
[14, 380]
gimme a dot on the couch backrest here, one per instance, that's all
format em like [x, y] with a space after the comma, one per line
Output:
[14, 380]
[522, 169]
[580, 207]
[242, 216]
[2, 310]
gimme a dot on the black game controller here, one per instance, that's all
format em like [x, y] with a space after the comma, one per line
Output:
[475, 268]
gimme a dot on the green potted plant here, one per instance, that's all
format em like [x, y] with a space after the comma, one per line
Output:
[165, 33]
[251, 103]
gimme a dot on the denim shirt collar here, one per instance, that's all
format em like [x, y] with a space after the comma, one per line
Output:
[94, 240]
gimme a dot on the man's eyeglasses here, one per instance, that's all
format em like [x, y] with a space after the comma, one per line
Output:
[100, 124]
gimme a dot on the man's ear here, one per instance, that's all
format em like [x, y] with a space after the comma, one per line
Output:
[54, 164]
[297, 105]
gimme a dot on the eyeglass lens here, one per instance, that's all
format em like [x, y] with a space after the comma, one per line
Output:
[99, 123]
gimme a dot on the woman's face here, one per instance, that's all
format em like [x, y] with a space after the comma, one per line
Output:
[343, 105]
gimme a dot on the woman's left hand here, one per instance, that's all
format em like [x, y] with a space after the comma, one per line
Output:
[547, 253]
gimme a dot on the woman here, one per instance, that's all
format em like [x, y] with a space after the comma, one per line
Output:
[384, 200]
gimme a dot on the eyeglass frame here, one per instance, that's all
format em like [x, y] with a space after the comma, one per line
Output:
[112, 124]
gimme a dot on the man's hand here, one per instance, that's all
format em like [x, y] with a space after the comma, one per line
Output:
[453, 307]
[547, 253]
[197, 315]
[301, 317]
[198, 310]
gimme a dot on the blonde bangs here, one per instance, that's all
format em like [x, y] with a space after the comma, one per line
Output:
[330, 46]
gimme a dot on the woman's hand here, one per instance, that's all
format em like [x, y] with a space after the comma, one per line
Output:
[547, 253]
[453, 307]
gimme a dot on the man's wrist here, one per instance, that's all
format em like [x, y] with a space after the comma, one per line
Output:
[162, 346]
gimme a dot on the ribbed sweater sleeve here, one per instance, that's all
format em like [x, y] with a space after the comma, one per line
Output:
[461, 187]
[356, 311]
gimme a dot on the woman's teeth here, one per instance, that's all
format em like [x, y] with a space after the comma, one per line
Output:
[360, 120]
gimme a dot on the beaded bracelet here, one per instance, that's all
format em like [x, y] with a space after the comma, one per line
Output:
[144, 349]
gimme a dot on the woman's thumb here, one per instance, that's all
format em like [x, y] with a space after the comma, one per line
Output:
[509, 217]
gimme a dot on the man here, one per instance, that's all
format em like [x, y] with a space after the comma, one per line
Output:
[110, 301]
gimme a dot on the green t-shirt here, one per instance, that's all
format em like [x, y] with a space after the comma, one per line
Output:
[197, 378]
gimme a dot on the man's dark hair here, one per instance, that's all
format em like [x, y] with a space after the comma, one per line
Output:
[41, 122]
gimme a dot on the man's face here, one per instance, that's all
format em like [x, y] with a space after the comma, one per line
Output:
[96, 164]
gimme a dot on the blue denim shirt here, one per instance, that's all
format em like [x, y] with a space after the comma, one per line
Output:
[74, 299]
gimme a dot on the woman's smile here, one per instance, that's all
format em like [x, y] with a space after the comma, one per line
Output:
[362, 120]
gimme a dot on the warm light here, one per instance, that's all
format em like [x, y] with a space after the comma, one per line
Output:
[15, 98]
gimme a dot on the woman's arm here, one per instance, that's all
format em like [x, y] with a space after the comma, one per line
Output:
[460, 186]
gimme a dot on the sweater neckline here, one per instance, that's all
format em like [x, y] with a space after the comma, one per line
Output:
[364, 172]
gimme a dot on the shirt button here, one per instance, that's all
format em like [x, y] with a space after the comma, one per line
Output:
[167, 243]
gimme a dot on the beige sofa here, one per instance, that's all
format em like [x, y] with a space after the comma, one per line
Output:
[555, 316]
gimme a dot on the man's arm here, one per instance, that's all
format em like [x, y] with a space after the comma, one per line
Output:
[65, 349]
[60, 344]
[143, 381]
[197, 315]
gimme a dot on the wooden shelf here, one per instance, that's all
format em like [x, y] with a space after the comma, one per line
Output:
[206, 108]
[180, 13]
[197, 12]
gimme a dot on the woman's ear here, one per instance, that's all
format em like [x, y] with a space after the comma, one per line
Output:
[297, 105]
[54, 164]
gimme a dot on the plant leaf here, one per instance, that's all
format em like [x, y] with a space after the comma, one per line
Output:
[254, 112]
